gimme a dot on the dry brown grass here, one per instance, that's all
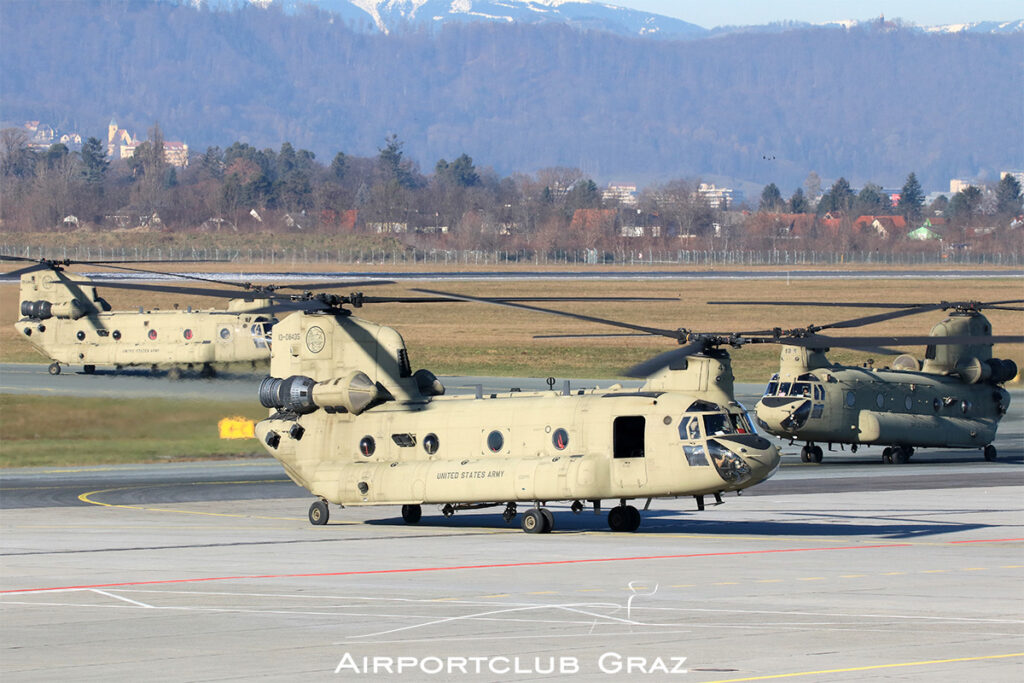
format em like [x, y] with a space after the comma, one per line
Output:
[461, 338]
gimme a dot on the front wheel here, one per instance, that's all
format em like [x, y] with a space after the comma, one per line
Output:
[990, 453]
[54, 368]
[318, 513]
[411, 513]
[533, 522]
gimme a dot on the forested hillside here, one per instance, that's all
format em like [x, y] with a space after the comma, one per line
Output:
[869, 103]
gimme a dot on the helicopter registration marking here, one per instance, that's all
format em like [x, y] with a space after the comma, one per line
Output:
[475, 474]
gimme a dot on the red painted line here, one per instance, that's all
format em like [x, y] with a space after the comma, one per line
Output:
[991, 540]
[454, 568]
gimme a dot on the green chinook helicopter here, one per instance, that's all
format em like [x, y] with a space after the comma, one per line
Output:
[954, 398]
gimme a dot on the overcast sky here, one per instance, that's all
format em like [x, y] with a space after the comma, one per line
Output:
[711, 13]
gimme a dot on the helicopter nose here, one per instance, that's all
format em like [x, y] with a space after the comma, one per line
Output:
[783, 413]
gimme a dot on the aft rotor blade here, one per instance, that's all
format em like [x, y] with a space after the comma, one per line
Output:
[674, 334]
[27, 269]
[879, 317]
[821, 341]
[664, 360]
[171, 289]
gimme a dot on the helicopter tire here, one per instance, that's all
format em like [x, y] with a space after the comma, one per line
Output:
[817, 454]
[89, 369]
[990, 453]
[319, 513]
[805, 455]
[54, 368]
[411, 514]
[887, 455]
[549, 520]
[900, 455]
[633, 517]
[533, 522]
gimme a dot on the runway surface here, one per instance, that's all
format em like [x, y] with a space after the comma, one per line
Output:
[848, 571]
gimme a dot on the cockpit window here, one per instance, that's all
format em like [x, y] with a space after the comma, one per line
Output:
[741, 423]
[801, 389]
[689, 428]
[717, 423]
[772, 388]
[785, 388]
[700, 406]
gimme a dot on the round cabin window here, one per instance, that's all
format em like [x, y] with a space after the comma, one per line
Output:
[851, 398]
[225, 333]
[116, 335]
[187, 334]
[495, 441]
[908, 403]
[152, 334]
[431, 443]
[367, 446]
[80, 335]
[560, 439]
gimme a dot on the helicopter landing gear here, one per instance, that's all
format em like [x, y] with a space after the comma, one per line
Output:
[811, 453]
[624, 518]
[174, 374]
[318, 513]
[54, 368]
[510, 513]
[411, 514]
[89, 369]
[897, 454]
[538, 521]
[990, 453]
[207, 372]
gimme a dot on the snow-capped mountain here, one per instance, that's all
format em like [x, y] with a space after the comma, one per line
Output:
[387, 15]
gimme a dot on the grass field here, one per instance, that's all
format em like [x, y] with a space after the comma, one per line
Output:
[468, 339]
[59, 430]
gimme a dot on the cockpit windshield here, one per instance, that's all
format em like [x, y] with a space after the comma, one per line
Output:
[804, 389]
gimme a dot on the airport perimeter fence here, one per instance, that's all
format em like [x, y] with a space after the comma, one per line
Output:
[298, 256]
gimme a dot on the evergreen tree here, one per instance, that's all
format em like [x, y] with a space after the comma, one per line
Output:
[1008, 196]
[911, 200]
[771, 199]
[798, 203]
[94, 161]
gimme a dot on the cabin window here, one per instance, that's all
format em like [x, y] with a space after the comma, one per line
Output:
[80, 335]
[689, 429]
[431, 444]
[929, 352]
[695, 455]
[965, 407]
[560, 439]
[628, 436]
[404, 440]
[495, 441]
[741, 423]
[908, 403]
[817, 410]
[367, 446]
[116, 335]
[819, 392]
[851, 399]
[225, 333]
[936, 404]
[880, 400]
[700, 406]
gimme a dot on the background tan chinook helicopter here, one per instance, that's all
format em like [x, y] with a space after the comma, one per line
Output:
[354, 425]
[69, 323]
[953, 399]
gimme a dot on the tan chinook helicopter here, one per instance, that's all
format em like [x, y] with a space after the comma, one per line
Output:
[953, 399]
[68, 322]
[352, 423]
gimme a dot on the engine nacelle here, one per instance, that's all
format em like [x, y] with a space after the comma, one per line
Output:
[353, 393]
[994, 370]
[44, 310]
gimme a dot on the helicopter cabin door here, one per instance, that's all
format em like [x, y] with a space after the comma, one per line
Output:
[629, 466]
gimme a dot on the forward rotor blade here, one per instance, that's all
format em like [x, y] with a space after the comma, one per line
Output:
[171, 289]
[673, 334]
[28, 269]
[878, 317]
[664, 360]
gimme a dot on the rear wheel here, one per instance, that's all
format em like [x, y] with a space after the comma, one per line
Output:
[318, 513]
[54, 368]
[549, 519]
[900, 455]
[817, 454]
[990, 453]
[88, 369]
[533, 522]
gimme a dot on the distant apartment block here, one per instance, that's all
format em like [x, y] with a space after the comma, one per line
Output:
[716, 197]
[623, 195]
[958, 185]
